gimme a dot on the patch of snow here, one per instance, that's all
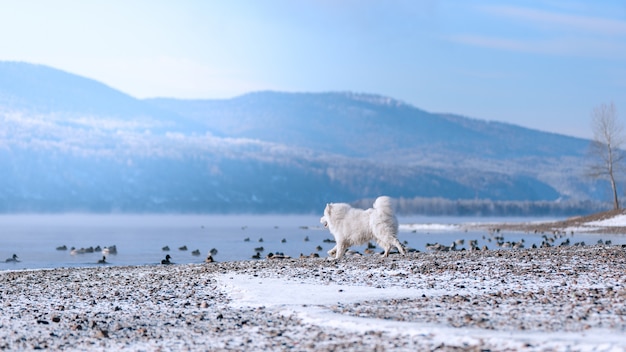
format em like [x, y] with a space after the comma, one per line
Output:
[616, 221]
[311, 302]
[428, 227]
[253, 291]
[581, 229]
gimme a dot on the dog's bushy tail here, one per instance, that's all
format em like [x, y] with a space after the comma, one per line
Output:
[383, 204]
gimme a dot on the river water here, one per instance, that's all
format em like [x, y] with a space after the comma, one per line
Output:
[139, 239]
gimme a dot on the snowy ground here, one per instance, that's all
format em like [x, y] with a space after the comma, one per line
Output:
[609, 222]
[553, 299]
[535, 300]
[616, 221]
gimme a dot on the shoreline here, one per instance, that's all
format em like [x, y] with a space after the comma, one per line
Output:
[528, 299]
[609, 222]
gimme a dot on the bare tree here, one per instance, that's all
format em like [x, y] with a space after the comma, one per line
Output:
[605, 148]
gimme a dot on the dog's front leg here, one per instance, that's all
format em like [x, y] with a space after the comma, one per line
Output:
[332, 252]
[341, 249]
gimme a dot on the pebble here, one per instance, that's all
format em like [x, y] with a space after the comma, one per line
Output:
[183, 307]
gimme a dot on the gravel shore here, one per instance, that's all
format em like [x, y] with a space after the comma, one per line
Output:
[566, 298]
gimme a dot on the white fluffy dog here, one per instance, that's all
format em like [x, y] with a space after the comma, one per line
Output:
[352, 227]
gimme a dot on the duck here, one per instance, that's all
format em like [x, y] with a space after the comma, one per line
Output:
[103, 260]
[278, 255]
[257, 256]
[166, 260]
[213, 251]
[166, 248]
[183, 248]
[195, 252]
[13, 259]
[109, 250]
[62, 248]
[209, 259]
[259, 249]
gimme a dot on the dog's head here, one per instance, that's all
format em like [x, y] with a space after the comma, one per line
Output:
[326, 218]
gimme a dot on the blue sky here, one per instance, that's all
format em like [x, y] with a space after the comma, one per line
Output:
[539, 64]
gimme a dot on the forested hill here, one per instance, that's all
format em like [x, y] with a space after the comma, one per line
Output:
[69, 143]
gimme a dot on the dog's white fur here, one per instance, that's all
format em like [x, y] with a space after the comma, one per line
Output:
[352, 227]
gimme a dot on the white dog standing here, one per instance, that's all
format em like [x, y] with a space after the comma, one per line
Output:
[352, 227]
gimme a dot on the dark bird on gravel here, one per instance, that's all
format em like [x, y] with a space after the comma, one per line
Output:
[166, 260]
[13, 259]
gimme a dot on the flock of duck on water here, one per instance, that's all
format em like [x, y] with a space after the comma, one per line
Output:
[494, 237]
[113, 250]
[553, 239]
[195, 252]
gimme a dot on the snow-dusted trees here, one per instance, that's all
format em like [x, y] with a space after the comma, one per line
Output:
[605, 149]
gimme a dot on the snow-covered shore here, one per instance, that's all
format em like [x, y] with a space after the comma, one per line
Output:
[570, 298]
[609, 222]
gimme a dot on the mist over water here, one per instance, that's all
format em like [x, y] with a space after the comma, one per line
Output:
[139, 238]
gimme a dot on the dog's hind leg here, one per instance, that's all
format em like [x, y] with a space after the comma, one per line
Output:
[387, 248]
[399, 246]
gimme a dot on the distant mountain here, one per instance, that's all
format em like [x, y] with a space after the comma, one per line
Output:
[68, 143]
[43, 90]
[365, 125]
[481, 157]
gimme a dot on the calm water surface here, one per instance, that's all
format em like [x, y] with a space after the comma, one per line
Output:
[139, 238]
